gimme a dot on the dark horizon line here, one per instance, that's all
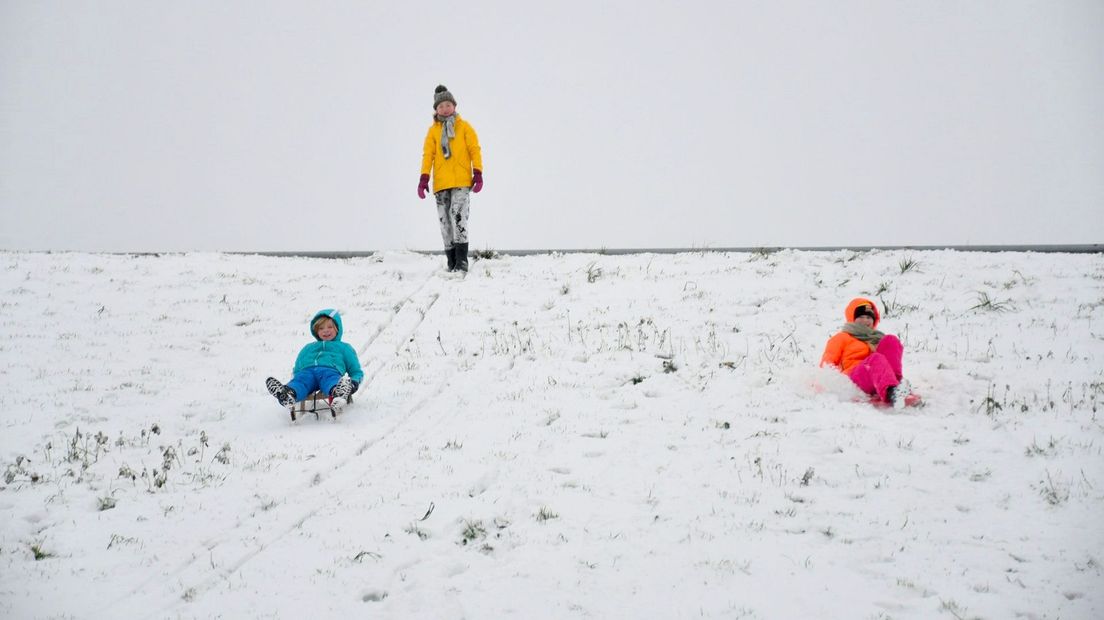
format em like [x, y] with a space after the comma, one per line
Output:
[1071, 248]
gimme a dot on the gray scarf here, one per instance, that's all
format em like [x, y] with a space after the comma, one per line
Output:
[448, 131]
[869, 335]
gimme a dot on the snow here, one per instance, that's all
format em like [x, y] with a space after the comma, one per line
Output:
[555, 436]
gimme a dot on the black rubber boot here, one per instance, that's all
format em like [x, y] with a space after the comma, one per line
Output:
[450, 254]
[461, 250]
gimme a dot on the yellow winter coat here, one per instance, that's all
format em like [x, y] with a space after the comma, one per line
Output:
[456, 171]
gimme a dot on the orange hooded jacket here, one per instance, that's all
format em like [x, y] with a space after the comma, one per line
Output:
[843, 350]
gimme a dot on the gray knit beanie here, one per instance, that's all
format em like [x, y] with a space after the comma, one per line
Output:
[441, 93]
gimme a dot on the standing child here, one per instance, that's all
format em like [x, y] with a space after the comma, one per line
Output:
[872, 359]
[451, 151]
[321, 365]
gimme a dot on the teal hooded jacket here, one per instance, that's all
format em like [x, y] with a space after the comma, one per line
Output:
[333, 354]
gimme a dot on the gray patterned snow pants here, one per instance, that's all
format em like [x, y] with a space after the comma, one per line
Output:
[452, 213]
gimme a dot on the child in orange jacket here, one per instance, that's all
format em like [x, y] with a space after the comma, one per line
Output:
[872, 359]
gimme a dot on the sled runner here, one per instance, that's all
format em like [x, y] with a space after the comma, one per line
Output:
[318, 402]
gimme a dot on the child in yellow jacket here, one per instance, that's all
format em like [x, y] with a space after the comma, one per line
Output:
[451, 152]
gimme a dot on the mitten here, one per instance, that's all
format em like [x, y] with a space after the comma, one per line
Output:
[477, 180]
[423, 186]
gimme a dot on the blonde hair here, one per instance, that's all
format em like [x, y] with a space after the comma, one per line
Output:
[318, 323]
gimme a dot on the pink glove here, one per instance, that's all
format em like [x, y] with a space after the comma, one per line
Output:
[423, 186]
[477, 180]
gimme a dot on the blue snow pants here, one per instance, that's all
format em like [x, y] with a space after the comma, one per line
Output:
[322, 378]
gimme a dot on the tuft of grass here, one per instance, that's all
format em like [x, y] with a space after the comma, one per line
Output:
[117, 539]
[952, 608]
[473, 531]
[485, 254]
[1036, 450]
[889, 308]
[223, 455]
[1013, 282]
[107, 503]
[417, 531]
[990, 405]
[86, 449]
[805, 479]
[545, 513]
[594, 273]
[39, 552]
[893, 308]
[987, 304]
[16, 471]
[908, 264]
[1055, 493]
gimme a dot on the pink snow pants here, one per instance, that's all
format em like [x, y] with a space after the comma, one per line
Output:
[881, 369]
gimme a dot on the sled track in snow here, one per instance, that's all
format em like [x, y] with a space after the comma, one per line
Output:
[194, 579]
[380, 329]
[161, 593]
[421, 310]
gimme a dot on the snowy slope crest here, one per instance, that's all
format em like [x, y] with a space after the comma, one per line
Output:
[564, 436]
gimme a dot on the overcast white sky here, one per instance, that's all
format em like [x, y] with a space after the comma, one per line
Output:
[271, 125]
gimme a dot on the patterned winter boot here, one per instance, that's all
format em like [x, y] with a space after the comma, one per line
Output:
[341, 392]
[283, 393]
[897, 396]
[901, 392]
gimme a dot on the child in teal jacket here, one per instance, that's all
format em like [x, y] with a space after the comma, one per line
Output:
[327, 364]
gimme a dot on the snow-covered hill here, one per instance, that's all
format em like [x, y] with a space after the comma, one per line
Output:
[565, 436]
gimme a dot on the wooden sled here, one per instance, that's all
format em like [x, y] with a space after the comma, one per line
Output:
[316, 403]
